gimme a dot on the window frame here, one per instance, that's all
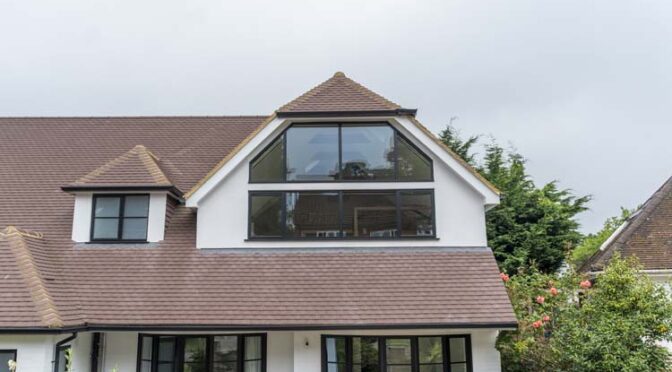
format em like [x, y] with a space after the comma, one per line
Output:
[120, 218]
[415, 351]
[15, 352]
[283, 203]
[209, 352]
[340, 126]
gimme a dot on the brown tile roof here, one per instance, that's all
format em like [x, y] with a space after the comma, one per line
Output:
[137, 167]
[49, 280]
[338, 94]
[647, 234]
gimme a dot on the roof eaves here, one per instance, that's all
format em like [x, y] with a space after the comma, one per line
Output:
[229, 156]
[466, 165]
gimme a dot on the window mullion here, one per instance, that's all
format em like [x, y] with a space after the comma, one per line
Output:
[415, 355]
[120, 223]
[340, 152]
[446, 353]
[241, 353]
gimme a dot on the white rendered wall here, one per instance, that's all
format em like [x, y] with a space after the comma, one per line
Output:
[460, 211]
[81, 219]
[34, 352]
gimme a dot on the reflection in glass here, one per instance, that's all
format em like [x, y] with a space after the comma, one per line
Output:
[194, 354]
[368, 152]
[312, 153]
[416, 213]
[266, 215]
[269, 166]
[398, 351]
[369, 214]
[313, 215]
[413, 165]
[365, 354]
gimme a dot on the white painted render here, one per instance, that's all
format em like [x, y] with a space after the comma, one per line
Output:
[81, 220]
[287, 351]
[460, 208]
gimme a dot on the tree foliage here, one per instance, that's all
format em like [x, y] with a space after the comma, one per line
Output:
[592, 242]
[532, 224]
[568, 324]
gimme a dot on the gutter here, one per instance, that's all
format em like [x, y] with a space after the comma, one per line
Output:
[506, 325]
[58, 346]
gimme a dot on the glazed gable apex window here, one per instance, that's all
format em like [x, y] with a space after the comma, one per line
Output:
[328, 152]
[120, 217]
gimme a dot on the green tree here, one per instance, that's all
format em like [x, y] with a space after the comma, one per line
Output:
[592, 242]
[618, 326]
[531, 224]
[565, 323]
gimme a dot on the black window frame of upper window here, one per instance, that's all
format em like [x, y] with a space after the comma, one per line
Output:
[415, 359]
[179, 342]
[120, 217]
[15, 352]
[283, 203]
[340, 126]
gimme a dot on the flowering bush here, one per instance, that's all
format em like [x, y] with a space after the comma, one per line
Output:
[568, 323]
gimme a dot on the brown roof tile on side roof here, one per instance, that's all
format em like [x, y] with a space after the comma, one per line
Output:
[647, 234]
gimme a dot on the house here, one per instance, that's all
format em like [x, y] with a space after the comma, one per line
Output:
[337, 234]
[646, 234]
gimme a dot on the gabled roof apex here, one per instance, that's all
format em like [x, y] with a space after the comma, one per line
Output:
[341, 95]
[137, 167]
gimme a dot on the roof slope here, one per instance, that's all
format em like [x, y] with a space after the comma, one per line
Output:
[49, 281]
[137, 166]
[25, 297]
[338, 94]
[647, 234]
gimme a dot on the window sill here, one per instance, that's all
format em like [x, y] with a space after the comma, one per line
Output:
[117, 242]
[425, 238]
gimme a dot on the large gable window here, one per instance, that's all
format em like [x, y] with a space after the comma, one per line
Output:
[396, 354]
[371, 214]
[120, 217]
[340, 152]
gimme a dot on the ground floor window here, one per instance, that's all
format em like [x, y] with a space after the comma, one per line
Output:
[202, 353]
[7, 356]
[396, 353]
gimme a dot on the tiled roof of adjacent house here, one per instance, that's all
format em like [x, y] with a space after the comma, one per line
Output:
[338, 94]
[47, 281]
[647, 234]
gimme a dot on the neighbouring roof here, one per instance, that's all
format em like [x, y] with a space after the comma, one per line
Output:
[647, 234]
[48, 282]
[339, 94]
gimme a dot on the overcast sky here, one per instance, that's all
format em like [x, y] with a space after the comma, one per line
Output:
[582, 88]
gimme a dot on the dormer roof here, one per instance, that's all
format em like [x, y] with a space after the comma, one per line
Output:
[340, 95]
[137, 168]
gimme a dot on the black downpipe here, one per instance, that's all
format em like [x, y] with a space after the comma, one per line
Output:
[59, 344]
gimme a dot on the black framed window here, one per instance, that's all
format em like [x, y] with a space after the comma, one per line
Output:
[202, 353]
[345, 214]
[396, 353]
[120, 217]
[5, 357]
[328, 152]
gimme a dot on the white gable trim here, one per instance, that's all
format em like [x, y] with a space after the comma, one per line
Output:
[406, 126]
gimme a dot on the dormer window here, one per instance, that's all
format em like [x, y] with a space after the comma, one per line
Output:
[120, 217]
[327, 152]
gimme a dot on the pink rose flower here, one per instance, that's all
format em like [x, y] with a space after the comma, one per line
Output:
[537, 324]
[540, 300]
[585, 284]
[504, 277]
[554, 291]
[546, 318]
